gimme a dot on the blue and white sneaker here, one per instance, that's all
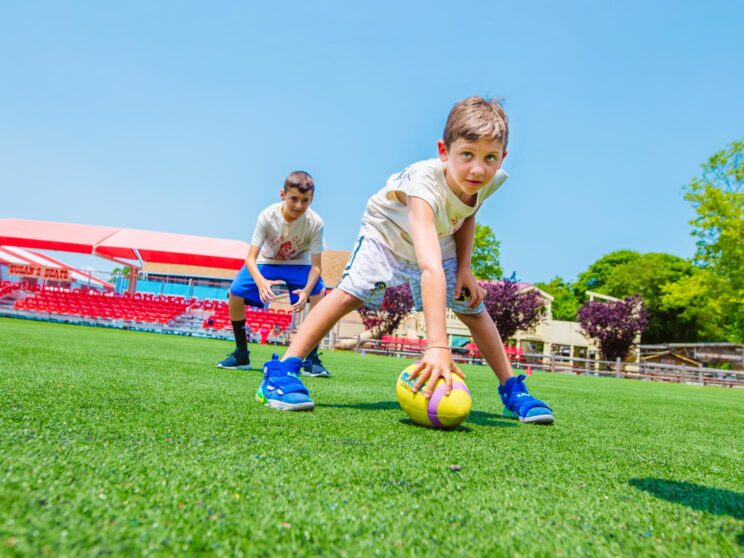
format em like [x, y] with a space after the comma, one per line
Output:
[238, 359]
[314, 367]
[282, 388]
[519, 404]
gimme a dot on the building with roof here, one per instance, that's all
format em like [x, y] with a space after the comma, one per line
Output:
[710, 355]
[548, 337]
[670, 357]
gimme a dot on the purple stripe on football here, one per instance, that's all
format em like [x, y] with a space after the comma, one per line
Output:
[433, 405]
[456, 384]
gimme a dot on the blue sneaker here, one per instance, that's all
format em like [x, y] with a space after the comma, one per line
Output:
[519, 404]
[313, 367]
[238, 359]
[282, 388]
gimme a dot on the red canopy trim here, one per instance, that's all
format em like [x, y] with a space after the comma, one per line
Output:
[113, 243]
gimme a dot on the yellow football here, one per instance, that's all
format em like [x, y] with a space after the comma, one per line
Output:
[440, 410]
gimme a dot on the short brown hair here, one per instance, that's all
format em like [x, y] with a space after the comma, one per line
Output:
[300, 180]
[477, 118]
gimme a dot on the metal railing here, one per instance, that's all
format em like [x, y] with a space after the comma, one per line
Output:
[579, 366]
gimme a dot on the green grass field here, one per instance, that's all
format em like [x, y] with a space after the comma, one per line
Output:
[124, 443]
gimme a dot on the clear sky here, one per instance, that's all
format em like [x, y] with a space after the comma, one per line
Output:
[186, 117]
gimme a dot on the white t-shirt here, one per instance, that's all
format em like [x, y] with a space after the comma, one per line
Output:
[287, 243]
[386, 219]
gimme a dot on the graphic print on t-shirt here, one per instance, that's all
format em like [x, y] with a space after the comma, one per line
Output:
[405, 175]
[285, 249]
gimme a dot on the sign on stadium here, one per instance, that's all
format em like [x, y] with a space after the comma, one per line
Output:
[39, 272]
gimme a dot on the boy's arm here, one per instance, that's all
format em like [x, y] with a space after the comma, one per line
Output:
[312, 279]
[263, 284]
[437, 361]
[465, 280]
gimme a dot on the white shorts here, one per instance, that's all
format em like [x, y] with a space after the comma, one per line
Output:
[373, 267]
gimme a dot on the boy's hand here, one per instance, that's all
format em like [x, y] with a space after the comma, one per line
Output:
[437, 363]
[466, 286]
[264, 289]
[301, 300]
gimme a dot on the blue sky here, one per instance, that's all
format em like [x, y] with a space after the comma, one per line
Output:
[186, 117]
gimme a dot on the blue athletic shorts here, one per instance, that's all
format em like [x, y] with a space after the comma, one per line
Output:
[294, 275]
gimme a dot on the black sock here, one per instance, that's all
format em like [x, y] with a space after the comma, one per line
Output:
[239, 331]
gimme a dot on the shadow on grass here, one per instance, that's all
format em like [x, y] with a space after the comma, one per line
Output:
[378, 406]
[409, 422]
[480, 418]
[491, 419]
[696, 496]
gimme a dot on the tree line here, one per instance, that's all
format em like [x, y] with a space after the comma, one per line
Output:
[700, 299]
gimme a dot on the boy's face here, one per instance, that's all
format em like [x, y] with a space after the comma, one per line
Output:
[470, 165]
[295, 203]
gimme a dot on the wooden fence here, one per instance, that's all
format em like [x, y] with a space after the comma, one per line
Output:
[572, 365]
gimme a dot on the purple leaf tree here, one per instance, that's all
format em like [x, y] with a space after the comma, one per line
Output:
[614, 325]
[396, 305]
[512, 307]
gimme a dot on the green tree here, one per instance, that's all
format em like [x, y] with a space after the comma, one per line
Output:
[595, 278]
[625, 273]
[486, 253]
[646, 276]
[691, 298]
[124, 271]
[565, 302]
[717, 197]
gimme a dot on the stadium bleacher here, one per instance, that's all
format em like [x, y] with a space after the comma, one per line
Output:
[146, 308]
[139, 308]
[7, 288]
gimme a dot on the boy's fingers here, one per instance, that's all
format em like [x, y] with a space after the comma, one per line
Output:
[416, 371]
[478, 295]
[297, 306]
[433, 379]
[421, 376]
[447, 383]
[420, 380]
[456, 370]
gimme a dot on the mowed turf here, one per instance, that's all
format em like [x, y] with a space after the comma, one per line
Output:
[124, 443]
